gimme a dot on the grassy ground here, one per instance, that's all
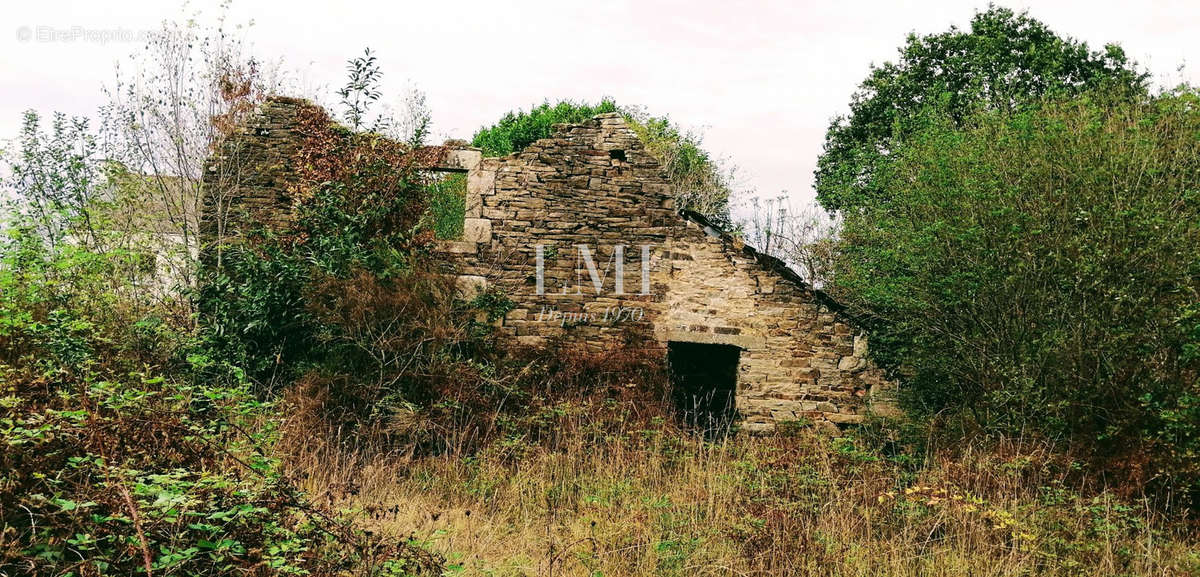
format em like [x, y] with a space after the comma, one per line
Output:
[659, 501]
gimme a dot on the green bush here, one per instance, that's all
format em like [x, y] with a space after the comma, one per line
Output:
[253, 313]
[517, 130]
[1040, 271]
[128, 445]
[121, 455]
[361, 214]
[448, 205]
[699, 182]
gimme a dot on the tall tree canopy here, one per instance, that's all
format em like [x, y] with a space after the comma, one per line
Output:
[1005, 60]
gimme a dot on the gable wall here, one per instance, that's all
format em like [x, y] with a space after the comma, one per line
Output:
[799, 360]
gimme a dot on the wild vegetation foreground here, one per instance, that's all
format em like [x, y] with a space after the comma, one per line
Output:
[651, 499]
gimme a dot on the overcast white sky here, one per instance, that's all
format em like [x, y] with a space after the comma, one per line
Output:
[762, 79]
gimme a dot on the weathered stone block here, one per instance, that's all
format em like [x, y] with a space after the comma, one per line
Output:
[851, 364]
[469, 286]
[844, 418]
[481, 182]
[464, 159]
[477, 230]
[455, 247]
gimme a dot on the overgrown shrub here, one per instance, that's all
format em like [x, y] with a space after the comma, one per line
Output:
[419, 374]
[699, 182]
[1038, 271]
[129, 447]
[447, 205]
[517, 130]
[121, 457]
[360, 209]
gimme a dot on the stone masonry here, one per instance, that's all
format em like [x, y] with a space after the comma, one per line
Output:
[592, 190]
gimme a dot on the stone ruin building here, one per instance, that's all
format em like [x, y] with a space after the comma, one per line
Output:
[743, 333]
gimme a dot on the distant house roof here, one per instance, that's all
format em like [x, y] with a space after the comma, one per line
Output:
[152, 203]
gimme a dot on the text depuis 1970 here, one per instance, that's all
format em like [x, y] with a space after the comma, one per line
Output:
[585, 261]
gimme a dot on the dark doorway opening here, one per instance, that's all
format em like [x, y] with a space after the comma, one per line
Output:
[703, 383]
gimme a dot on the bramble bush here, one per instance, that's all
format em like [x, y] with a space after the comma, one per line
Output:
[357, 214]
[128, 447]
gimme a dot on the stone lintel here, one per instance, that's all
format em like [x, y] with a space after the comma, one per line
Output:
[745, 342]
[460, 160]
[455, 247]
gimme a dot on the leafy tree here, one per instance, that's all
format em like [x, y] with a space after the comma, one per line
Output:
[1006, 59]
[55, 177]
[361, 89]
[413, 121]
[187, 88]
[1038, 269]
[517, 130]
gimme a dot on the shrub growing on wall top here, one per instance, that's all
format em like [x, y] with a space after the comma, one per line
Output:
[517, 130]
[699, 181]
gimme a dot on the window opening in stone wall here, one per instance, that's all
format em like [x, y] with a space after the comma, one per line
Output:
[447, 195]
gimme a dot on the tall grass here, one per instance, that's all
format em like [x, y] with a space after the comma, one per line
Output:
[658, 500]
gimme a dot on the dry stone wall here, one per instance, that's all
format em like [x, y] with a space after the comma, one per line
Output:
[590, 186]
[253, 175]
[589, 189]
